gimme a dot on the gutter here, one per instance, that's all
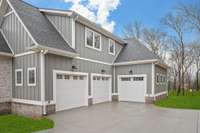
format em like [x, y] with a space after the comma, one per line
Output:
[6, 54]
[135, 62]
[54, 51]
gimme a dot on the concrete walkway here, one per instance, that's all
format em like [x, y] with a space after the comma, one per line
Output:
[125, 118]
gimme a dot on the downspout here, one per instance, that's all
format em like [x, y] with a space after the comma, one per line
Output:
[42, 80]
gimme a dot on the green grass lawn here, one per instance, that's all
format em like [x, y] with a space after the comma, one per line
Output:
[191, 100]
[19, 124]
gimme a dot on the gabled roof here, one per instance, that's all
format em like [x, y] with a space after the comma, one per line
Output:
[4, 46]
[42, 31]
[135, 51]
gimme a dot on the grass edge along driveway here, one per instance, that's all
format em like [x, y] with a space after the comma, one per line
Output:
[191, 100]
[19, 124]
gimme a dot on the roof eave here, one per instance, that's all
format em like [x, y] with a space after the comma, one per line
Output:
[163, 65]
[56, 12]
[136, 62]
[54, 51]
[6, 54]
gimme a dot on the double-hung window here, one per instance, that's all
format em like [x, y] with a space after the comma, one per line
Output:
[161, 79]
[92, 39]
[111, 47]
[31, 76]
[19, 77]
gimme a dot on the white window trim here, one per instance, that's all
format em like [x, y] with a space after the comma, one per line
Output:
[19, 70]
[93, 45]
[110, 40]
[161, 82]
[30, 69]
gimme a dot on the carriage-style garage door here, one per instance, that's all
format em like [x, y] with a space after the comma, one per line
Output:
[101, 88]
[71, 90]
[132, 88]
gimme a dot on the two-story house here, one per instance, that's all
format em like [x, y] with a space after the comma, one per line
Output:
[53, 60]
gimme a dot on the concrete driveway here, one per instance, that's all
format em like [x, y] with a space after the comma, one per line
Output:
[125, 118]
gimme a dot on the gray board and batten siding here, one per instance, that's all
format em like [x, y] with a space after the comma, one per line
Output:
[20, 41]
[160, 87]
[55, 62]
[136, 69]
[25, 91]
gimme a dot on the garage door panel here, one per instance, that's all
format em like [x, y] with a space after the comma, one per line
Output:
[132, 88]
[101, 88]
[71, 91]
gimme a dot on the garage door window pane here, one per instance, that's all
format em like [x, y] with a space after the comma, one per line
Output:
[98, 78]
[75, 77]
[138, 78]
[81, 77]
[66, 77]
[125, 79]
[59, 76]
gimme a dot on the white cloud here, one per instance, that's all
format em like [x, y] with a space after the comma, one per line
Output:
[96, 10]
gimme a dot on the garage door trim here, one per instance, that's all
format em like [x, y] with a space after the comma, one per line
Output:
[130, 76]
[55, 72]
[101, 75]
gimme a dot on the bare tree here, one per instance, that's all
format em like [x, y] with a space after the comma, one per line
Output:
[175, 63]
[191, 13]
[156, 41]
[196, 55]
[133, 30]
[176, 23]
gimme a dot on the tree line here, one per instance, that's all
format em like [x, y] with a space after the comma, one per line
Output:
[179, 48]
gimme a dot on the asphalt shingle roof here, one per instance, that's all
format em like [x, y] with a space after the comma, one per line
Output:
[3, 45]
[135, 51]
[39, 26]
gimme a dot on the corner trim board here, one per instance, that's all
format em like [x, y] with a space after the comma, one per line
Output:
[42, 78]
[153, 79]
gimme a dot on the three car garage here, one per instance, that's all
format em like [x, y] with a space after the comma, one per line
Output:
[71, 88]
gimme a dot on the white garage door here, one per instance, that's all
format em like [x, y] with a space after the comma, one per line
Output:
[132, 88]
[71, 90]
[101, 88]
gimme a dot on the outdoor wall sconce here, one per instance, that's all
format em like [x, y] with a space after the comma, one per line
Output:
[131, 72]
[74, 68]
[103, 71]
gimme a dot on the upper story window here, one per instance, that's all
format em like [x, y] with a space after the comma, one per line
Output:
[31, 76]
[92, 39]
[19, 77]
[111, 47]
